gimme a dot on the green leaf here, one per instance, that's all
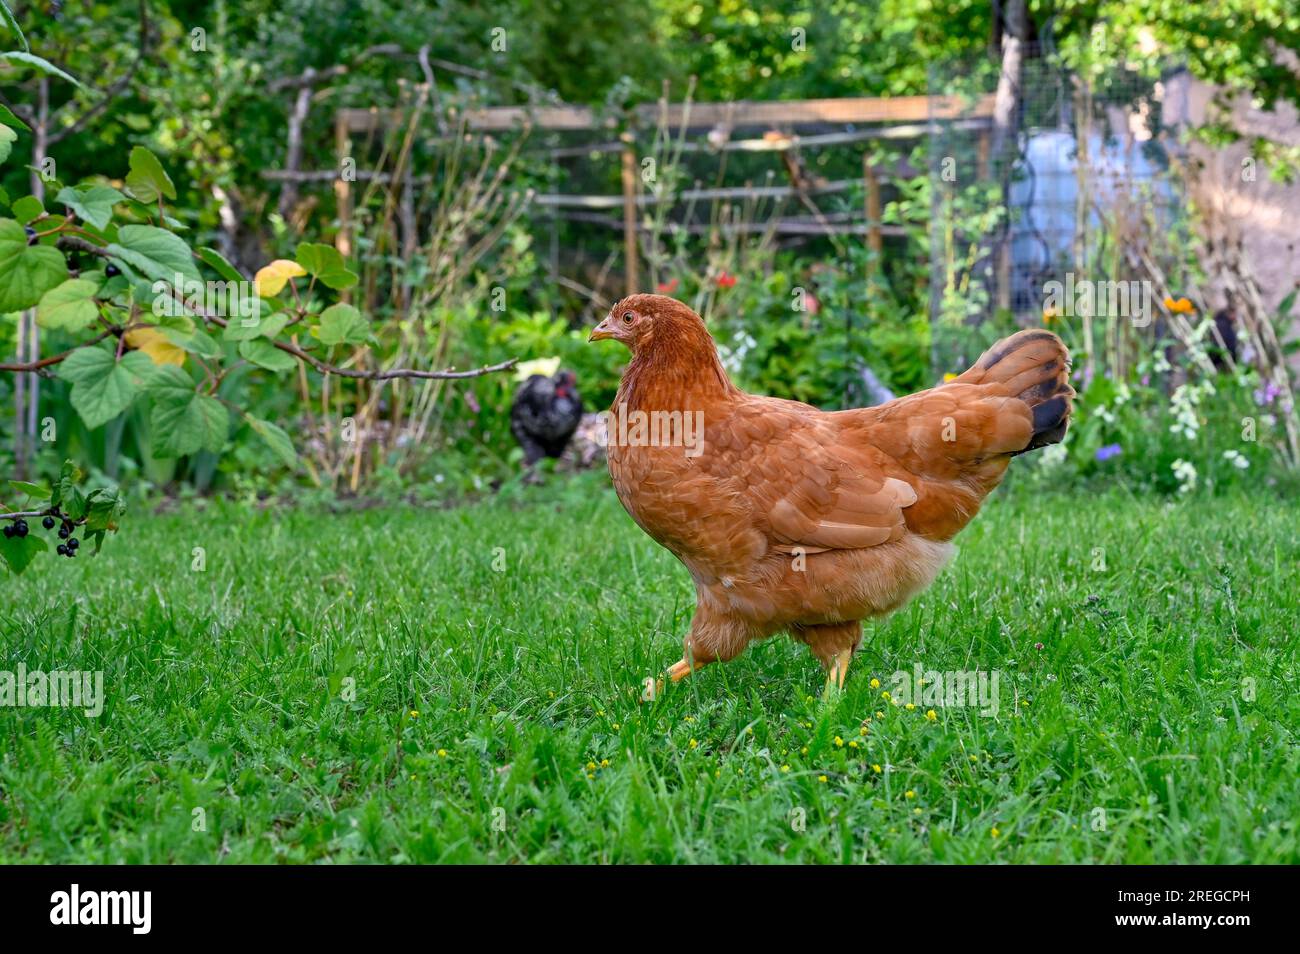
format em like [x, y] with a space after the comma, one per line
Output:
[18, 552]
[9, 119]
[276, 439]
[38, 491]
[262, 326]
[36, 62]
[184, 421]
[217, 262]
[27, 209]
[26, 271]
[69, 475]
[102, 386]
[148, 180]
[195, 342]
[93, 205]
[11, 22]
[266, 355]
[104, 509]
[342, 324]
[7, 139]
[70, 306]
[156, 253]
[326, 263]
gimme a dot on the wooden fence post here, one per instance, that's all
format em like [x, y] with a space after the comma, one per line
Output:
[342, 187]
[629, 212]
[873, 211]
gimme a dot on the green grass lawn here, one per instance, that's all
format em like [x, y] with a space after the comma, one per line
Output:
[497, 713]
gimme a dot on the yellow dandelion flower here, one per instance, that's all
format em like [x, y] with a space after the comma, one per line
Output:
[693, 744]
[995, 833]
[931, 714]
[875, 683]
[591, 766]
[853, 744]
[886, 696]
[909, 794]
[876, 768]
[839, 743]
[910, 706]
[442, 753]
[604, 763]
[414, 714]
[822, 779]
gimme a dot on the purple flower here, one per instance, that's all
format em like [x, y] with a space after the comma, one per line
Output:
[1108, 451]
[1267, 394]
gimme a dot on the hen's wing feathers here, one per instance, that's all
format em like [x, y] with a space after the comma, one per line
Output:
[807, 488]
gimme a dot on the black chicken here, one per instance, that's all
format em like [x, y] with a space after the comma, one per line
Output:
[545, 413]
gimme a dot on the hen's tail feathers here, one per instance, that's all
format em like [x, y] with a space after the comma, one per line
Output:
[1033, 366]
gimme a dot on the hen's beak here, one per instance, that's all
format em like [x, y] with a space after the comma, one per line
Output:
[601, 331]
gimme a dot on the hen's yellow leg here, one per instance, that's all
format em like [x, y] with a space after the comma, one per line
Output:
[683, 668]
[839, 668]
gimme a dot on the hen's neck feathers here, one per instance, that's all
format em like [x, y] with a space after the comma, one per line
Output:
[677, 369]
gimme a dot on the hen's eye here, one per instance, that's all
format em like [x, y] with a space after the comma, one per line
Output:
[627, 317]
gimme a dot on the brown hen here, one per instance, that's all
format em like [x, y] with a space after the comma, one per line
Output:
[794, 519]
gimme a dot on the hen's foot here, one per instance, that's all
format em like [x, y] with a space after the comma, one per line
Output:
[838, 669]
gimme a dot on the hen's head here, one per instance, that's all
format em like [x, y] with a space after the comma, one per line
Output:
[652, 323]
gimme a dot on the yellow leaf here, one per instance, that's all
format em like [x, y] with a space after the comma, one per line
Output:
[269, 280]
[155, 344]
[543, 366]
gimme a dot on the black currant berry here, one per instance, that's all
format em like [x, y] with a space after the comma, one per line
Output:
[20, 528]
[64, 532]
[73, 543]
[112, 271]
[31, 235]
[9, 530]
[48, 523]
[61, 550]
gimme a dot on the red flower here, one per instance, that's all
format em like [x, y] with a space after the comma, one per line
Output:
[726, 280]
[667, 288]
[811, 303]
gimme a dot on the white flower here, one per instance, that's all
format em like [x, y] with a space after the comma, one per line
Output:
[1186, 474]
[1052, 456]
[1235, 459]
